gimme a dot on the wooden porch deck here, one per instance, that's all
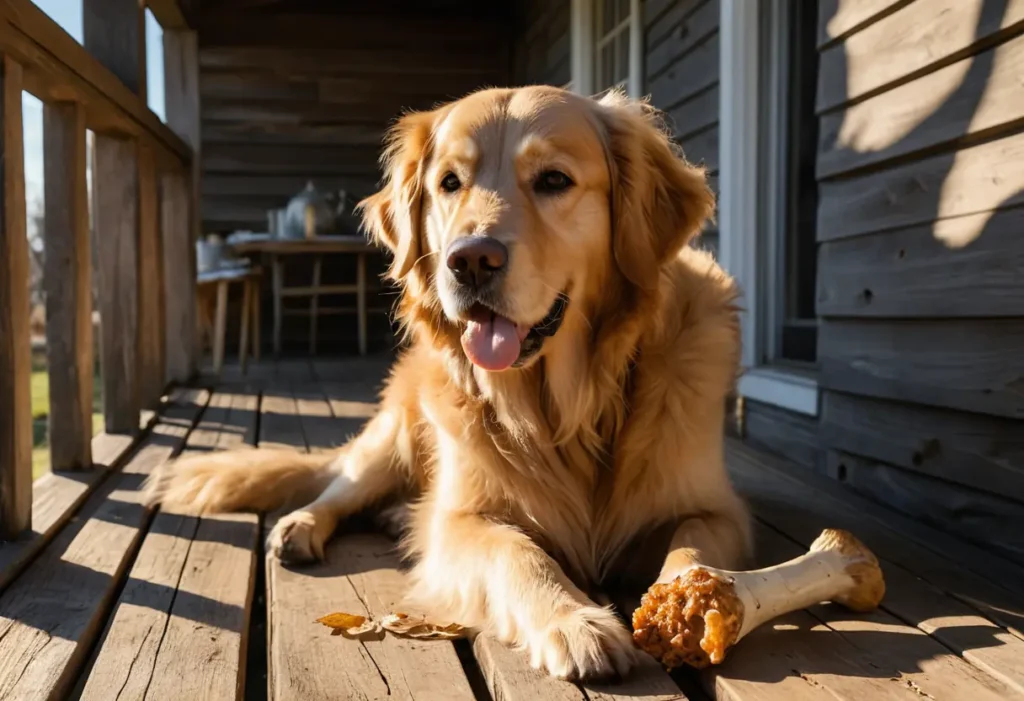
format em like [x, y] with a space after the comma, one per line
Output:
[117, 602]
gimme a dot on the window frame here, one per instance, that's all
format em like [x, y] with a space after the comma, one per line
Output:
[754, 100]
[585, 47]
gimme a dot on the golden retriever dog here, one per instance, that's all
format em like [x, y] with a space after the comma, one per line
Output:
[562, 394]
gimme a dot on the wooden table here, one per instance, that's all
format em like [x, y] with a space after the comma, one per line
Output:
[220, 280]
[278, 249]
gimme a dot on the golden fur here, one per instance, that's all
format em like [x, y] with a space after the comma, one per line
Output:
[527, 486]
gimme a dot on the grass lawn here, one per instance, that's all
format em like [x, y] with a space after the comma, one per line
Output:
[41, 412]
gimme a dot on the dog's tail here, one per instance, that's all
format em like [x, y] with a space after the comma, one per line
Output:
[240, 480]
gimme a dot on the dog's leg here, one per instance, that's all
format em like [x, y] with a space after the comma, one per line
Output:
[495, 578]
[716, 539]
[366, 470]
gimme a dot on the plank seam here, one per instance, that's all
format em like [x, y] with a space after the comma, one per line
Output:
[864, 24]
[675, 60]
[982, 44]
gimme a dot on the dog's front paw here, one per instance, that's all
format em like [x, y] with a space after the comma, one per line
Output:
[585, 643]
[298, 538]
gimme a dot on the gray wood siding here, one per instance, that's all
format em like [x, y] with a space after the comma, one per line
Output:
[681, 77]
[921, 262]
[287, 97]
[543, 43]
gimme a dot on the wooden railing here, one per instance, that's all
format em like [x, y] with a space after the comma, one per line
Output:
[145, 218]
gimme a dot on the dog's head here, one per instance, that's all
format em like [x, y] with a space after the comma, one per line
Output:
[508, 208]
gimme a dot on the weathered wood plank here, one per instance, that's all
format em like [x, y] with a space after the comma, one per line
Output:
[698, 113]
[684, 35]
[703, 149]
[115, 214]
[352, 134]
[975, 451]
[666, 23]
[907, 43]
[988, 521]
[784, 432]
[359, 576]
[290, 160]
[976, 96]
[484, 63]
[697, 71]
[889, 650]
[179, 626]
[228, 28]
[56, 497]
[974, 180]
[114, 32]
[801, 507]
[974, 365]
[913, 273]
[15, 355]
[279, 187]
[151, 324]
[915, 601]
[52, 614]
[838, 18]
[68, 284]
[509, 675]
[178, 273]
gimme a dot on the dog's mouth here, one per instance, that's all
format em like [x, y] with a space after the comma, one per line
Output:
[494, 342]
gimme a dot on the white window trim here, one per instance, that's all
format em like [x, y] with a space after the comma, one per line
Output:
[739, 247]
[582, 54]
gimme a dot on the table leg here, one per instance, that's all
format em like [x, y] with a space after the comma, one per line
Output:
[361, 300]
[277, 272]
[220, 326]
[257, 334]
[243, 341]
[314, 303]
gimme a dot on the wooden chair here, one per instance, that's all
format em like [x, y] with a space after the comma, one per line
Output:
[212, 297]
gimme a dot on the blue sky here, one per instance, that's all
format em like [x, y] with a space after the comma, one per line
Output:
[68, 14]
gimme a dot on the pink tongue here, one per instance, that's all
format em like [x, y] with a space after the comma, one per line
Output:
[491, 342]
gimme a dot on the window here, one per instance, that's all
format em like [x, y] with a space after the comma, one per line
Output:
[607, 39]
[789, 194]
[767, 213]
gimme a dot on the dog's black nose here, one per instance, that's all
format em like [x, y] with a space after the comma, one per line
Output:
[475, 260]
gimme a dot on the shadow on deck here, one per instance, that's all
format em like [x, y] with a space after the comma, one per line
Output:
[116, 602]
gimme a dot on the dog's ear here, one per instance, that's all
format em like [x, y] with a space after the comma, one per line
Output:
[659, 201]
[394, 214]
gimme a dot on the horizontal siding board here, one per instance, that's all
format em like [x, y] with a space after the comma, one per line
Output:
[268, 85]
[281, 187]
[973, 180]
[982, 452]
[791, 435]
[355, 134]
[295, 160]
[974, 365]
[656, 29]
[981, 94]
[351, 30]
[703, 149]
[915, 273]
[361, 110]
[684, 36]
[299, 62]
[696, 71]
[981, 518]
[904, 44]
[698, 113]
[839, 18]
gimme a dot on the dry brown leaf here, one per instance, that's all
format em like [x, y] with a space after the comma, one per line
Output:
[420, 628]
[353, 626]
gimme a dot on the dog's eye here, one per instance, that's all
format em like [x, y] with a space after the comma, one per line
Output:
[450, 183]
[551, 182]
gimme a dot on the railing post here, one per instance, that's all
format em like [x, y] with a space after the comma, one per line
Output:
[115, 213]
[114, 31]
[15, 353]
[181, 91]
[151, 283]
[179, 270]
[66, 280]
